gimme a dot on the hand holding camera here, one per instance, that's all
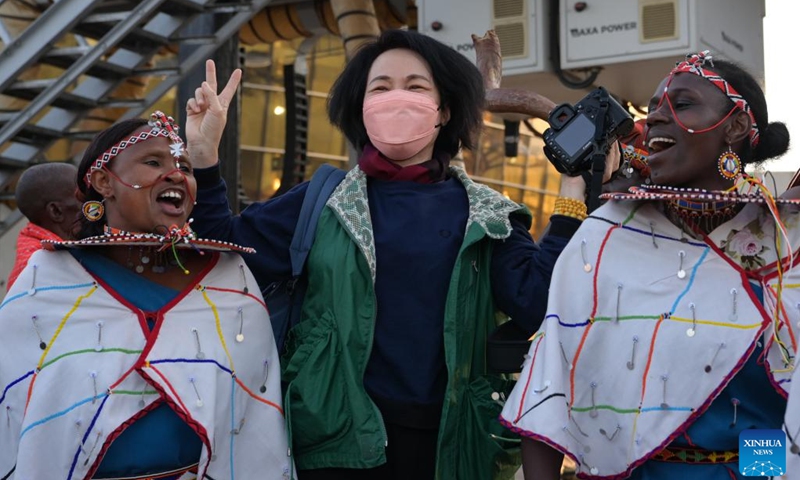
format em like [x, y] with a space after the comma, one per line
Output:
[578, 133]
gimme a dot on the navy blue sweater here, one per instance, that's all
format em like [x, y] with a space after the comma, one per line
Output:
[418, 231]
[418, 228]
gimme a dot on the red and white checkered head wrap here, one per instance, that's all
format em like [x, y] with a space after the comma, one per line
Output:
[696, 64]
[161, 125]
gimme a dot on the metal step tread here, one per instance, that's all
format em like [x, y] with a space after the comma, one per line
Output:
[87, 135]
[135, 40]
[65, 57]
[10, 165]
[169, 6]
[121, 103]
[157, 71]
[30, 89]
[33, 134]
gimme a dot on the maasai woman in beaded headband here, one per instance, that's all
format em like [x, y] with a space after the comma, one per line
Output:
[671, 325]
[159, 125]
[139, 351]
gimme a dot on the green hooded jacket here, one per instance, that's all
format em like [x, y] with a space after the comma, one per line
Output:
[332, 421]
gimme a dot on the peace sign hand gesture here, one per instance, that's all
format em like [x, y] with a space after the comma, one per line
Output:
[206, 116]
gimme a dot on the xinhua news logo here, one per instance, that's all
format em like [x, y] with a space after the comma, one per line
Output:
[762, 453]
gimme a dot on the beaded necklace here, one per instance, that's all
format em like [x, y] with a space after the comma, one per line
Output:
[703, 216]
[153, 247]
[660, 192]
[697, 209]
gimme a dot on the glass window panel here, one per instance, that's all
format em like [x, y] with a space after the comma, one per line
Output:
[325, 63]
[315, 162]
[489, 159]
[275, 116]
[260, 173]
[255, 116]
[258, 64]
[250, 167]
[322, 136]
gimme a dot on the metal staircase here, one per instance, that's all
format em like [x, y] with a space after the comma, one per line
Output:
[95, 46]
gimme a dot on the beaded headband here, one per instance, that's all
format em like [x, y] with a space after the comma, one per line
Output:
[161, 126]
[695, 64]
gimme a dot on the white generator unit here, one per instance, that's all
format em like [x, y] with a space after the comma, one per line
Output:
[603, 32]
[634, 43]
[519, 24]
[638, 41]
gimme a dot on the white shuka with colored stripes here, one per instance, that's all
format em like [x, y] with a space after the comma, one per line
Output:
[88, 364]
[618, 369]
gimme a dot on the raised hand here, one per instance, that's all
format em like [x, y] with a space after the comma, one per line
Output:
[575, 187]
[206, 116]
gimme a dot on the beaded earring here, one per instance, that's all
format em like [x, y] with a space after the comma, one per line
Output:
[93, 210]
[729, 164]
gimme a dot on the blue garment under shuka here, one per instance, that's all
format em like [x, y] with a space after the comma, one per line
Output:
[759, 407]
[159, 441]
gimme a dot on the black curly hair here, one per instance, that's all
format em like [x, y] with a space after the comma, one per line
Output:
[773, 137]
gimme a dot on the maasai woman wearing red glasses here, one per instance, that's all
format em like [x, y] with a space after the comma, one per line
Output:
[673, 313]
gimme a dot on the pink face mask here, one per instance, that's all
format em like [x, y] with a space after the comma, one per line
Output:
[400, 123]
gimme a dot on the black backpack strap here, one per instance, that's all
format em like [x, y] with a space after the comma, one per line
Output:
[320, 188]
[285, 298]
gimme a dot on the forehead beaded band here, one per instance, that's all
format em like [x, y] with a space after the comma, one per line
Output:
[161, 125]
[696, 64]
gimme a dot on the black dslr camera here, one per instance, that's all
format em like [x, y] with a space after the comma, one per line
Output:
[578, 133]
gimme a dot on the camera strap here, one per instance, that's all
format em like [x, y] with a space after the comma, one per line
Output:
[596, 186]
[598, 156]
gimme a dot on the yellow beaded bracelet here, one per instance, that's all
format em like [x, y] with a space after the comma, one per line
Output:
[569, 207]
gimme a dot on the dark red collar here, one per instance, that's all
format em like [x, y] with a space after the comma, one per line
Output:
[375, 165]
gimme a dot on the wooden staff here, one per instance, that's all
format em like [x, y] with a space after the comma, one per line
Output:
[509, 103]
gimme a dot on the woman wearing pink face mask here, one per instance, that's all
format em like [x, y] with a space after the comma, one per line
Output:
[385, 376]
